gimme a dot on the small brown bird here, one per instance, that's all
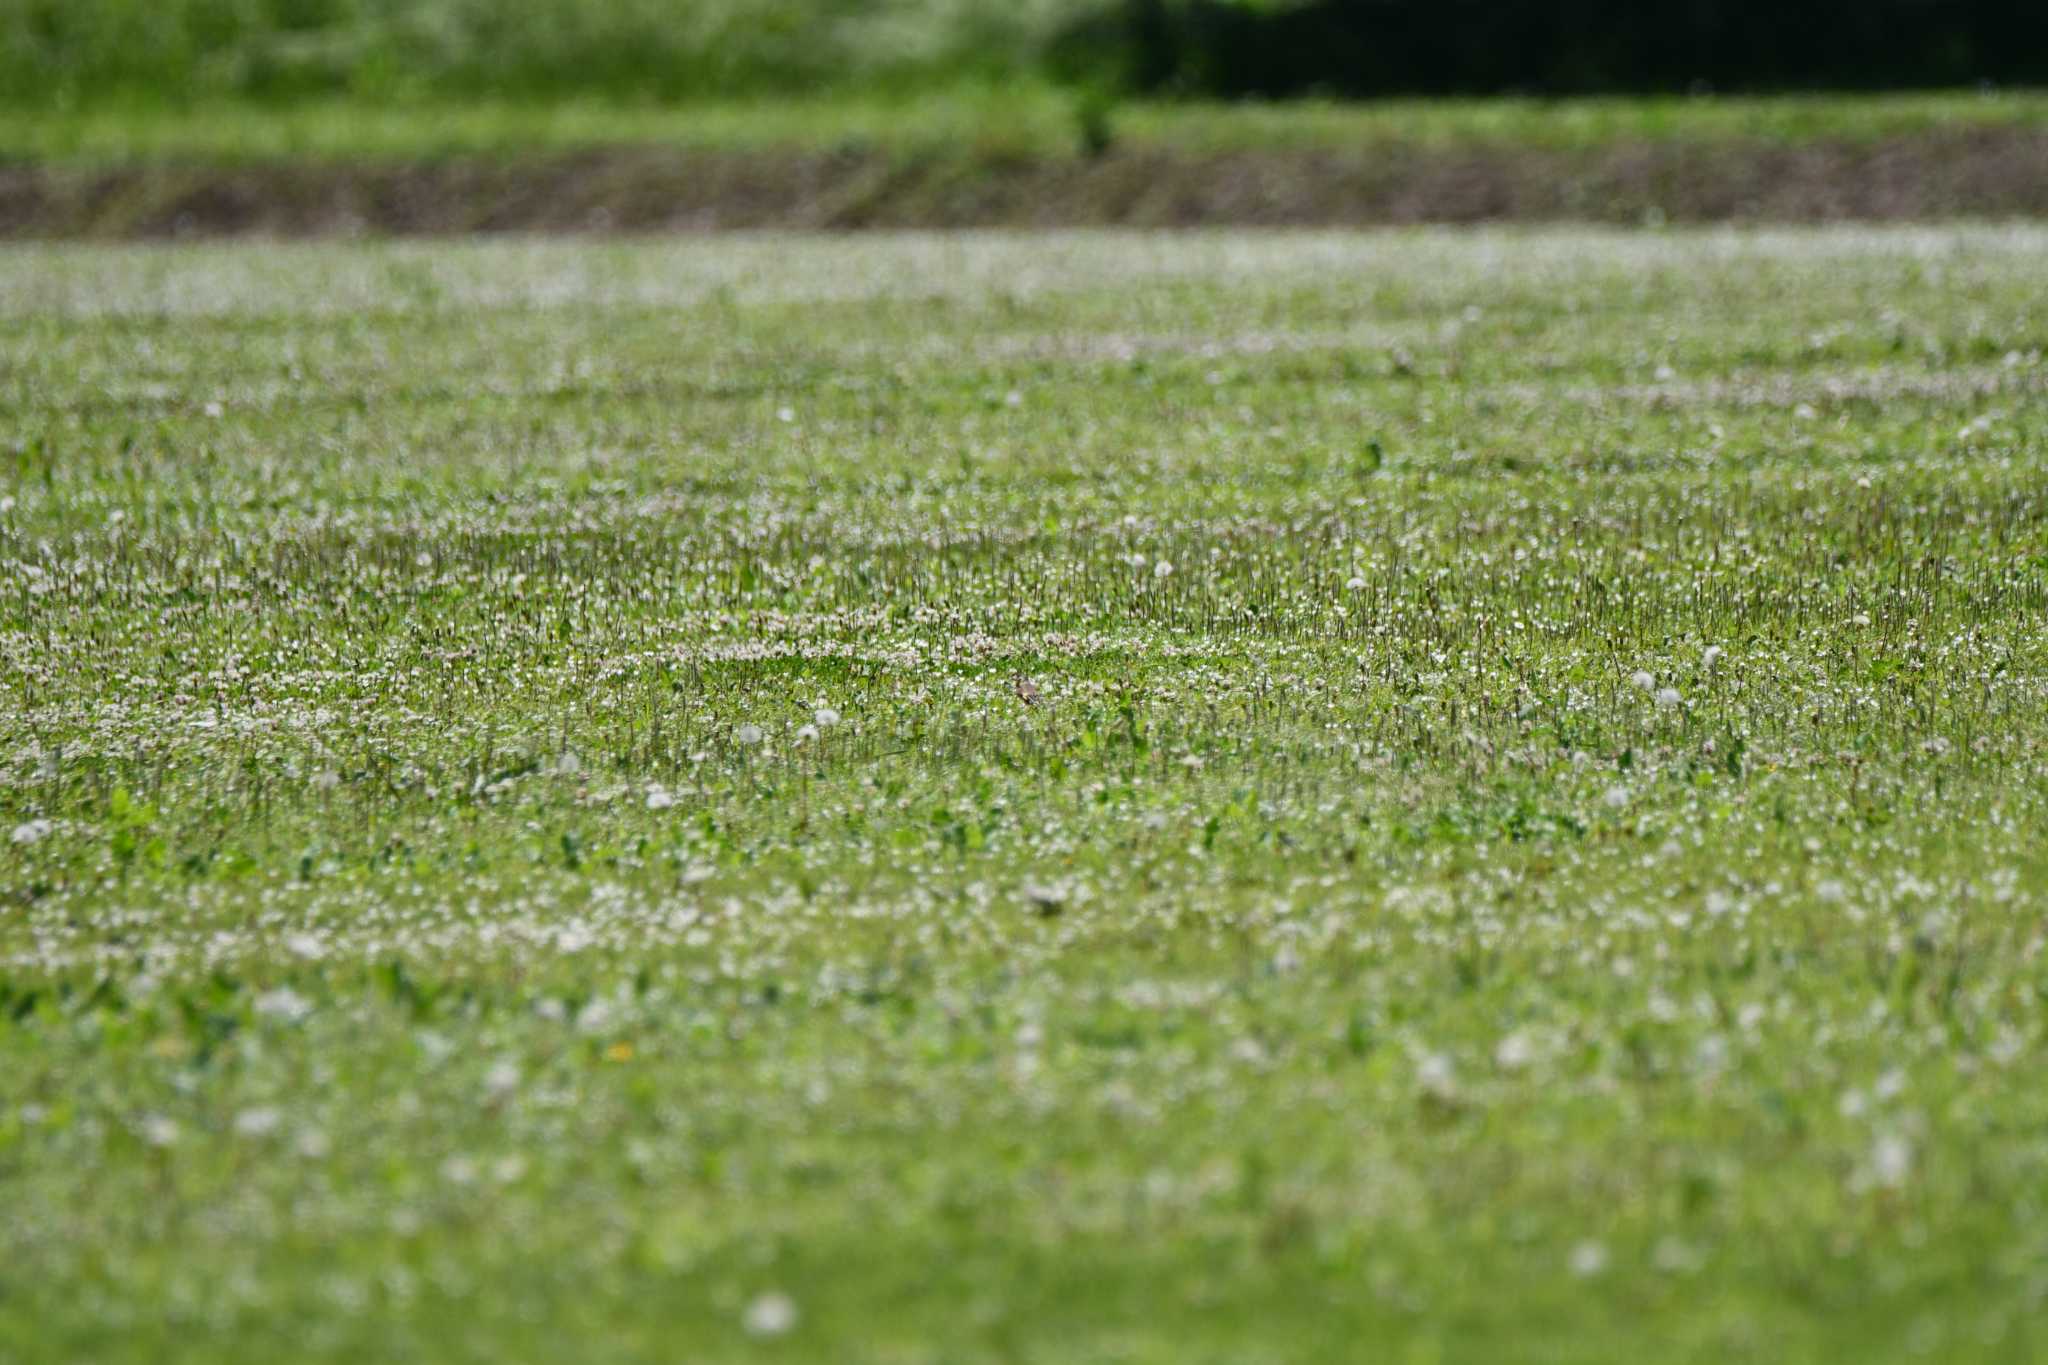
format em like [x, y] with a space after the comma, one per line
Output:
[1027, 691]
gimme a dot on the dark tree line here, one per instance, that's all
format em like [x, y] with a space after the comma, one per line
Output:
[1368, 47]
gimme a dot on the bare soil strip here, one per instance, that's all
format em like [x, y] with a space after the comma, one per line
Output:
[1986, 173]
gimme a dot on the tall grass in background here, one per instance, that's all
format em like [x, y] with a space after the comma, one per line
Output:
[58, 52]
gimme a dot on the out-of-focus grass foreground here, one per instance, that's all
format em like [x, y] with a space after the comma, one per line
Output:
[1186, 776]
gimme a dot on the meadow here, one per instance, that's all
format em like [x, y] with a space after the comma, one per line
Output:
[1417, 796]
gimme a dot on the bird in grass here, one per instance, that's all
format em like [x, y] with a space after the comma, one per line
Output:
[1027, 691]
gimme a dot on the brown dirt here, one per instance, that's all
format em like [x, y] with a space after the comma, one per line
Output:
[1997, 173]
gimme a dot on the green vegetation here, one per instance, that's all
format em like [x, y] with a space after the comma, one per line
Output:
[83, 51]
[520, 837]
[172, 51]
[1024, 119]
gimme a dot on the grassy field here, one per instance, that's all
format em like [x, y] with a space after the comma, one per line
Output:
[1025, 156]
[1018, 119]
[1026, 798]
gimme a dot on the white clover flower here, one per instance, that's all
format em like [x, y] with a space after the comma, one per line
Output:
[1514, 1052]
[502, 1079]
[283, 1004]
[770, 1315]
[1588, 1259]
[1891, 1161]
[32, 832]
[255, 1123]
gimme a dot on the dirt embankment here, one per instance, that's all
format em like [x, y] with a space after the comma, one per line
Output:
[1996, 173]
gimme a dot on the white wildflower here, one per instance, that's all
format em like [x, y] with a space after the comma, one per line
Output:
[32, 832]
[825, 717]
[749, 735]
[770, 1315]
[501, 1080]
[1667, 697]
[1588, 1259]
[595, 1017]
[283, 1004]
[1642, 679]
[658, 798]
[1514, 1052]
[1435, 1075]
[1163, 569]
[256, 1123]
[1891, 1161]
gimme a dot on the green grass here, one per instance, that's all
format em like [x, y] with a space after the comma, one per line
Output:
[438, 923]
[1020, 118]
[170, 51]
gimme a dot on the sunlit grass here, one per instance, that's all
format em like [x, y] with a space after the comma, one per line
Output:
[1025, 798]
[1016, 118]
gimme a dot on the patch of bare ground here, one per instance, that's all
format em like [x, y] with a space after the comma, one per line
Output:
[1990, 173]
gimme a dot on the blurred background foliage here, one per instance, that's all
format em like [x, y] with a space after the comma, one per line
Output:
[55, 52]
